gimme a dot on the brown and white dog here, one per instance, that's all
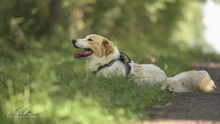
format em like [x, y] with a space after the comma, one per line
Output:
[100, 51]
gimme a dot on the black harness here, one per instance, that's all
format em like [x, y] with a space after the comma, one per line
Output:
[121, 57]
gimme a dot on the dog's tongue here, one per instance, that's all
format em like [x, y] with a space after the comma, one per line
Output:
[83, 54]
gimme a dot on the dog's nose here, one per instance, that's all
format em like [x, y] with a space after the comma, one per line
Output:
[74, 41]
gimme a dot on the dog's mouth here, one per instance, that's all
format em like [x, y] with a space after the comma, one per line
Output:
[83, 54]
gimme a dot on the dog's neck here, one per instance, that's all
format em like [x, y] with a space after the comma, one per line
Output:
[93, 63]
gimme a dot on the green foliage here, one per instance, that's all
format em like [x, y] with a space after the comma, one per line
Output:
[37, 57]
[160, 22]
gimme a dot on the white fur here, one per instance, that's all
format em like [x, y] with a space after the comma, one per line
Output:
[82, 43]
[191, 81]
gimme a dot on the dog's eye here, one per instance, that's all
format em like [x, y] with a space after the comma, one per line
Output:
[90, 39]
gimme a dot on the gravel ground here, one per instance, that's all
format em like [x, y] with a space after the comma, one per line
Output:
[191, 108]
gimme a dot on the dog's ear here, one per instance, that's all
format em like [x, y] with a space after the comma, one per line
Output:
[108, 47]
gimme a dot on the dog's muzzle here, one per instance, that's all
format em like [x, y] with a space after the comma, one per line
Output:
[83, 54]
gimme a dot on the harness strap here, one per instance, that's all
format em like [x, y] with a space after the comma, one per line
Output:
[121, 57]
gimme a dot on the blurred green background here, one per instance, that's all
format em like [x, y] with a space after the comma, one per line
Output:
[37, 58]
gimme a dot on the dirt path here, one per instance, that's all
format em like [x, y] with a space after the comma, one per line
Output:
[192, 108]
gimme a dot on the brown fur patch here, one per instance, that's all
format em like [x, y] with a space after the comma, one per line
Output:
[96, 48]
[108, 46]
[101, 46]
[138, 69]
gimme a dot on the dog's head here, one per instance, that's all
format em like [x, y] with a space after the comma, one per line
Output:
[94, 45]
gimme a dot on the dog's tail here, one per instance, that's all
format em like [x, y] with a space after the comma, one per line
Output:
[191, 81]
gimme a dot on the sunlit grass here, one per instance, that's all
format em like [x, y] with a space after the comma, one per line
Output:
[54, 86]
[56, 92]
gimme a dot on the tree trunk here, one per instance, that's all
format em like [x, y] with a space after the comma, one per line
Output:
[54, 17]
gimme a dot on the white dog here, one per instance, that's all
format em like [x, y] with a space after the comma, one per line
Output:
[103, 57]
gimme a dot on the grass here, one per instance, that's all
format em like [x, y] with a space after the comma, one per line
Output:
[59, 93]
[50, 82]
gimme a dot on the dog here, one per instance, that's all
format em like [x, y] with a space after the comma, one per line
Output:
[102, 57]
